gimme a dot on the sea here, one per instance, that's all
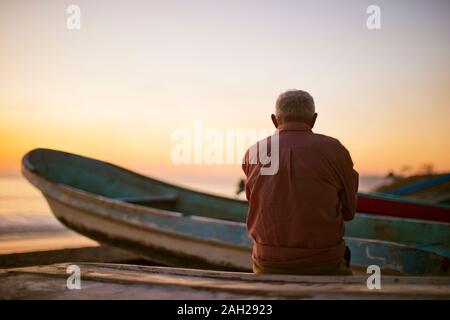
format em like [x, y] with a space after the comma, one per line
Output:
[27, 224]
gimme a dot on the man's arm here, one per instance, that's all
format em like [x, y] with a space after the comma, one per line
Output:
[349, 179]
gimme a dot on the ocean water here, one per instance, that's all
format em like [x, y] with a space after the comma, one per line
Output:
[27, 224]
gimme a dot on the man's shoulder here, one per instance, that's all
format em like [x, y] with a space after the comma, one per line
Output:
[330, 145]
[261, 143]
[252, 151]
[327, 140]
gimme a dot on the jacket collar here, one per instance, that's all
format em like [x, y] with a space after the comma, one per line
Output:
[294, 126]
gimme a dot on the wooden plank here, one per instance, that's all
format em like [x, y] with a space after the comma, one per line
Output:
[50, 282]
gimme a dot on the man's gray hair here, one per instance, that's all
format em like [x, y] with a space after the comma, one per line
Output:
[296, 103]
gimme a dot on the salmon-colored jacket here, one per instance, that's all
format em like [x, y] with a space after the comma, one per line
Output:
[296, 216]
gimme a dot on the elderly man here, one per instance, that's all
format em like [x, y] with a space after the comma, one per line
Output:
[296, 216]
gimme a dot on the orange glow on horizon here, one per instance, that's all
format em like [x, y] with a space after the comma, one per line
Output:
[116, 91]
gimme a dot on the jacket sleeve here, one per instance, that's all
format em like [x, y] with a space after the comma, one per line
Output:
[349, 180]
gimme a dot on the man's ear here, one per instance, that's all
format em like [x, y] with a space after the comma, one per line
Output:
[313, 120]
[274, 120]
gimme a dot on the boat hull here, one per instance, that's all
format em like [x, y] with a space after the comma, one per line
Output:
[154, 244]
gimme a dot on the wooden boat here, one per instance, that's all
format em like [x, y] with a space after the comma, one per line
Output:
[395, 206]
[433, 187]
[115, 281]
[176, 226]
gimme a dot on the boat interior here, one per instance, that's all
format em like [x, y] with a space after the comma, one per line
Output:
[108, 180]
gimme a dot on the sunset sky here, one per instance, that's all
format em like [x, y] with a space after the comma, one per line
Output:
[138, 70]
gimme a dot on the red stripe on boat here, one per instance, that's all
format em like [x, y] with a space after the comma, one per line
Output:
[402, 209]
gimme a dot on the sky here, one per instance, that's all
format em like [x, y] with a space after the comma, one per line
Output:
[137, 70]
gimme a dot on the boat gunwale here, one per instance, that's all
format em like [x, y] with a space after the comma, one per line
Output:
[387, 197]
[26, 162]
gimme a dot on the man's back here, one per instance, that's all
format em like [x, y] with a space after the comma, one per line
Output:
[296, 217]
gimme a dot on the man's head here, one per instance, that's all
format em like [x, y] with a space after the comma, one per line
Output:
[294, 106]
